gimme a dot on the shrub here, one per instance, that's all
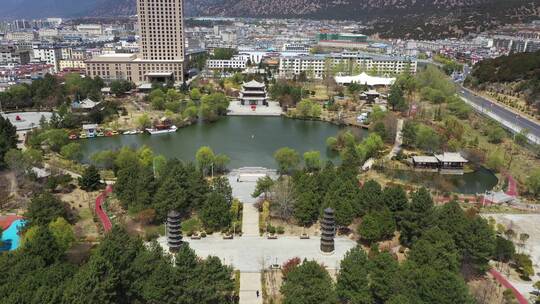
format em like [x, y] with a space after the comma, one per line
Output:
[289, 265]
[280, 230]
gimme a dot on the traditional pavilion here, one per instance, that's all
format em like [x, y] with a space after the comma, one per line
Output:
[254, 94]
[446, 163]
[451, 163]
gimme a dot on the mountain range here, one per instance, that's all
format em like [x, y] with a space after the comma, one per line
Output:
[390, 18]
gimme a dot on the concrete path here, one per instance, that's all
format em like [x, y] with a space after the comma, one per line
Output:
[250, 283]
[250, 220]
[398, 142]
[237, 109]
[251, 254]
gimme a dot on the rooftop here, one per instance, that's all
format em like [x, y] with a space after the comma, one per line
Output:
[425, 159]
[114, 58]
[451, 157]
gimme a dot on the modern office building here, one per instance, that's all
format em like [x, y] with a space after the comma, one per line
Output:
[161, 27]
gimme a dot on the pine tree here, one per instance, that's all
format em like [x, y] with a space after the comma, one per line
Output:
[91, 179]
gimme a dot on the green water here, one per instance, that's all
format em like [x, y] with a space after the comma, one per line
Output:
[479, 181]
[248, 141]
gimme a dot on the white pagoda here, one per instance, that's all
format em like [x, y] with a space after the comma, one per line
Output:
[254, 94]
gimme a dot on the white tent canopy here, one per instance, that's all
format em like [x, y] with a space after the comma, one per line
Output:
[365, 79]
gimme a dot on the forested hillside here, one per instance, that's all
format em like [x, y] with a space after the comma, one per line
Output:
[515, 74]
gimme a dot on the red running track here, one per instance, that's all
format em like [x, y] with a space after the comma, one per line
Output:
[504, 282]
[105, 221]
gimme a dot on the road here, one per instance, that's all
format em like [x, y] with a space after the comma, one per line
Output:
[503, 113]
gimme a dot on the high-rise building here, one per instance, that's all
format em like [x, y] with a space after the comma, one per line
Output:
[161, 29]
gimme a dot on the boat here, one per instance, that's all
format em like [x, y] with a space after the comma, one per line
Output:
[114, 133]
[108, 134]
[100, 134]
[131, 132]
[155, 131]
[73, 136]
[83, 136]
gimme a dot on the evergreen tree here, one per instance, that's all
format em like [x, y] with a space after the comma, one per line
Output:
[307, 199]
[417, 218]
[91, 179]
[353, 278]
[134, 186]
[307, 284]
[385, 277]
[44, 208]
[97, 282]
[215, 212]
[370, 197]
[8, 138]
[435, 249]
[395, 198]
[377, 226]
[478, 243]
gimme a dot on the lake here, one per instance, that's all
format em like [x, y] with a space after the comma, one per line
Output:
[247, 140]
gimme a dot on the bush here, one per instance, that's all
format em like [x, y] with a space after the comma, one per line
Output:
[191, 226]
[280, 229]
[271, 229]
[290, 265]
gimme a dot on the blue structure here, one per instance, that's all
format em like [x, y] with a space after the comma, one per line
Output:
[11, 237]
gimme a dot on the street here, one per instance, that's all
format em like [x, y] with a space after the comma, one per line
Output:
[503, 113]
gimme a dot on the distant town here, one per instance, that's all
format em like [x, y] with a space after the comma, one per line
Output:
[160, 159]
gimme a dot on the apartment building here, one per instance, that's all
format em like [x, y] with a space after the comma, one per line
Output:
[50, 55]
[317, 66]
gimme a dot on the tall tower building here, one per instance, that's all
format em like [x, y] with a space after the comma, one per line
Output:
[161, 59]
[161, 29]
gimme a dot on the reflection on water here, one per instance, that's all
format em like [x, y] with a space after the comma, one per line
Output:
[248, 141]
[478, 181]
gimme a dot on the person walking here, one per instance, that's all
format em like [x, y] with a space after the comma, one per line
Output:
[257, 292]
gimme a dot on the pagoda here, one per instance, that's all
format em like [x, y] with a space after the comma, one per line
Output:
[328, 230]
[174, 231]
[254, 94]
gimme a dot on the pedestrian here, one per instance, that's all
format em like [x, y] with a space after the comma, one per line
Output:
[257, 293]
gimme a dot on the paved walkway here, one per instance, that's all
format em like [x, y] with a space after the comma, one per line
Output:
[250, 220]
[250, 283]
[237, 109]
[399, 140]
[251, 254]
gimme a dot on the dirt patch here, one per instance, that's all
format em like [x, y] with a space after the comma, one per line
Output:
[81, 204]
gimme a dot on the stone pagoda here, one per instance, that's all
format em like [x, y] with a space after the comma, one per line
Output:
[328, 231]
[174, 231]
[254, 94]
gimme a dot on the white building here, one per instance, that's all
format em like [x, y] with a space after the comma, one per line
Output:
[238, 62]
[365, 79]
[49, 55]
[47, 33]
[316, 66]
[90, 29]
[20, 36]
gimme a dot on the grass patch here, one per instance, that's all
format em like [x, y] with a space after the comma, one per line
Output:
[191, 226]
